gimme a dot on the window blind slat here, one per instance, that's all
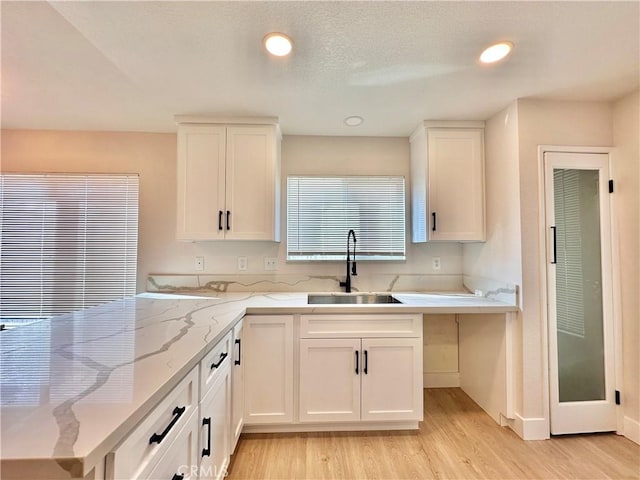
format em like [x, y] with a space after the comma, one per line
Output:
[67, 242]
[321, 210]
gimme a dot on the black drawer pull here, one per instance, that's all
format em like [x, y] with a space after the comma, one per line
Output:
[357, 361]
[366, 362]
[219, 219]
[206, 452]
[228, 220]
[177, 477]
[222, 357]
[433, 214]
[177, 413]
[237, 362]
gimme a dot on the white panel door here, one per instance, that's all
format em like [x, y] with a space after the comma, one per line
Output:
[250, 183]
[330, 380]
[579, 290]
[456, 184]
[392, 379]
[201, 182]
[268, 369]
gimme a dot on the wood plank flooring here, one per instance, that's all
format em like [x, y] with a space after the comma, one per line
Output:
[457, 440]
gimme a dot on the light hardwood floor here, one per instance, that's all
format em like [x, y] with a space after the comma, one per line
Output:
[457, 440]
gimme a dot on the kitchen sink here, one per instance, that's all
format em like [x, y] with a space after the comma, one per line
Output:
[356, 298]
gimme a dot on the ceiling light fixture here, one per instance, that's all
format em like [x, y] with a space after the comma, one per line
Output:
[353, 121]
[496, 52]
[277, 44]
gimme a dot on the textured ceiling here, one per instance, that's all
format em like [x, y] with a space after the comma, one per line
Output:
[134, 65]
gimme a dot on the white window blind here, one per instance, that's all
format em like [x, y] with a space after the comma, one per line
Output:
[67, 242]
[569, 277]
[321, 210]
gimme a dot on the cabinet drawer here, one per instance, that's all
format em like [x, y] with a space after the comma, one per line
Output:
[213, 362]
[363, 325]
[181, 458]
[137, 455]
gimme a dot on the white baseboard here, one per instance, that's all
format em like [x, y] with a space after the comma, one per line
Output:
[527, 428]
[632, 429]
[441, 380]
[333, 427]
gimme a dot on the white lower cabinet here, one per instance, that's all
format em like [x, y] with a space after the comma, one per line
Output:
[215, 409]
[391, 379]
[370, 379]
[329, 380]
[377, 378]
[268, 370]
[237, 386]
[166, 430]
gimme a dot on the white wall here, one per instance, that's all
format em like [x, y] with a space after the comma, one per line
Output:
[500, 258]
[153, 156]
[545, 123]
[625, 168]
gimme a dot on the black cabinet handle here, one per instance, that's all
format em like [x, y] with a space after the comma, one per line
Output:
[177, 413]
[555, 259]
[228, 220]
[177, 477]
[433, 214]
[237, 362]
[357, 362]
[219, 219]
[220, 360]
[206, 452]
[366, 362]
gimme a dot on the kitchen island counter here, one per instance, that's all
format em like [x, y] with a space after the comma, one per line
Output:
[75, 385]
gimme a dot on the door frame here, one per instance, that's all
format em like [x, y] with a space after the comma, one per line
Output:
[542, 275]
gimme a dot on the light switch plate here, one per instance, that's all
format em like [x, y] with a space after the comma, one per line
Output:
[242, 263]
[199, 264]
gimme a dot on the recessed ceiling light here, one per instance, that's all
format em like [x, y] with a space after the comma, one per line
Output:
[496, 52]
[278, 44]
[353, 121]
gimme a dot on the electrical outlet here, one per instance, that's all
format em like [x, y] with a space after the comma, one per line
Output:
[199, 264]
[270, 263]
[435, 263]
[242, 263]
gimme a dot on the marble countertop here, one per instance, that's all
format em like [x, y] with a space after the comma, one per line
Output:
[75, 385]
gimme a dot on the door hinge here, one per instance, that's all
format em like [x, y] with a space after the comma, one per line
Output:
[610, 186]
[617, 397]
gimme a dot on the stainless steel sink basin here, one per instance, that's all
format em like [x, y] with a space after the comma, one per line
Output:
[357, 298]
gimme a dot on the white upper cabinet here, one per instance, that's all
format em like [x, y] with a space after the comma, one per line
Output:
[447, 182]
[228, 181]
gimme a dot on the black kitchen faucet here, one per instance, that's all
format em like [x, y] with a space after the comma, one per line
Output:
[351, 266]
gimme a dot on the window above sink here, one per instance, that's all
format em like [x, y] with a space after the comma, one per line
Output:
[321, 210]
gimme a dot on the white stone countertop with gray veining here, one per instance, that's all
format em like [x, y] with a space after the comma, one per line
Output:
[75, 385]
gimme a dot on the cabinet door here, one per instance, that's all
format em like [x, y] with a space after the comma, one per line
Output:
[330, 380]
[456, 184]
[251, 182]
[214, 428]
[237, 386]
[201, 177]
[391, 379]
[268, 374]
